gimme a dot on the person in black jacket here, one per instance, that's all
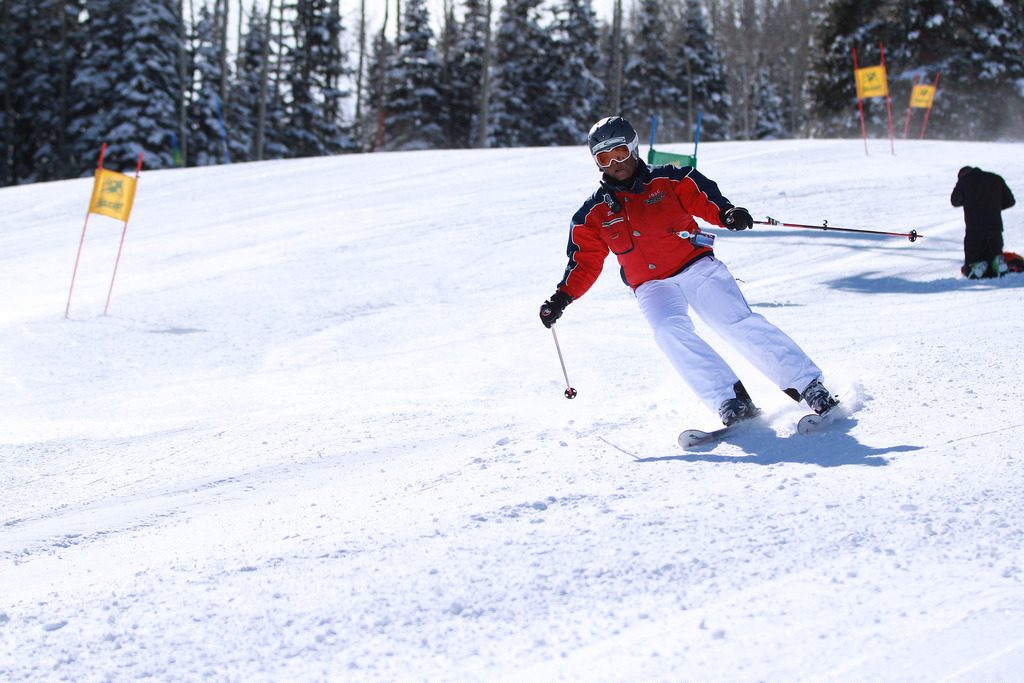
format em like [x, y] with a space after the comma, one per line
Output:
[984, 196]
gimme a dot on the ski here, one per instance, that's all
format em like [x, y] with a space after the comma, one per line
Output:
[814, 422]
[689, 438]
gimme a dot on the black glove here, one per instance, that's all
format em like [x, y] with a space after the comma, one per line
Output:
[551, 310]
[737, 218]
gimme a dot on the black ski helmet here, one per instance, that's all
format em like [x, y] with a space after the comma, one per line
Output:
[611, 132]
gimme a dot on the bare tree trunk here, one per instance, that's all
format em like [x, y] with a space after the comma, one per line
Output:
[382, 67]
[747, 85]
[222, 26]
[261, 109]
[485, 85]
[805, 22]
[238, 43]
[616, 92]
[359, 73]
[62, 93]
[280, 41]
[689, 94]
[332, 108]
[185, 86]
[7, 163]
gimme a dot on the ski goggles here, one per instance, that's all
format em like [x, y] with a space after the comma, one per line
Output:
[606, 158]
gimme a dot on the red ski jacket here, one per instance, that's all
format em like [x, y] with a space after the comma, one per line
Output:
[638, 224]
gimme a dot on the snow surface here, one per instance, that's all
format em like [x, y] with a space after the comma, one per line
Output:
[321, 434]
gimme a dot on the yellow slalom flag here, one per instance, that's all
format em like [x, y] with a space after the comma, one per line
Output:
[921, 97]
[871, 82]
[112, 194]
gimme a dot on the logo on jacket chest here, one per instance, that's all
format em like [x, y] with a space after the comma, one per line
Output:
[655, 198]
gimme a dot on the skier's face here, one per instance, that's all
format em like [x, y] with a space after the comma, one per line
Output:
[620, 166]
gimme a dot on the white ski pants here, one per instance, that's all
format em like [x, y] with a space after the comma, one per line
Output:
[710, 290]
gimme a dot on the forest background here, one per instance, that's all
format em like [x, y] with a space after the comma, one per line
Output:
[201, 82]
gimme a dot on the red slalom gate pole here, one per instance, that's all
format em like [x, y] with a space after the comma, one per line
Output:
[81, 241]
[74, 272]
[913, 235]
[124, 232]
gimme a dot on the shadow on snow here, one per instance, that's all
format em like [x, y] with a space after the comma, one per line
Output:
[760, 445]
[871, 283]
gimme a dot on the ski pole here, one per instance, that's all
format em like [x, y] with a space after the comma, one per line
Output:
[569, 391]
[913, 235]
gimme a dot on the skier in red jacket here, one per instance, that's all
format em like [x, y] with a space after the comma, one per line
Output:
[645, 216]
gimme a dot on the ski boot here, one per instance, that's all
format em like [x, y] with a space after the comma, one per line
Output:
[817, 397]
[737, 409]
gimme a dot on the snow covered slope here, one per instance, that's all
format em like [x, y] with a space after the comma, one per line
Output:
[321, 434]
